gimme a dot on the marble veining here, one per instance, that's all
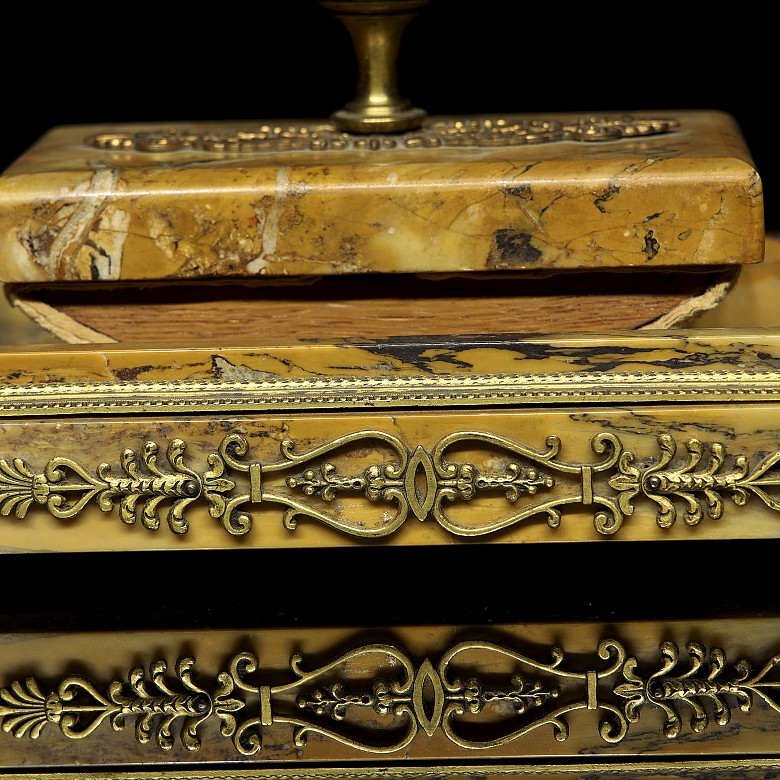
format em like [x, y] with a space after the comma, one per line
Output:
[70, 211]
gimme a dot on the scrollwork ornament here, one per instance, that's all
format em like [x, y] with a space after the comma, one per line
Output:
[407, 699]
[429, 484]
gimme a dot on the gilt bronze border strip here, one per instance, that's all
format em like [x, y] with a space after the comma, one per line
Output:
[719, 769]
[453, 390]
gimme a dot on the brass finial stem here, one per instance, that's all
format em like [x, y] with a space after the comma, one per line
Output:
[376, 28]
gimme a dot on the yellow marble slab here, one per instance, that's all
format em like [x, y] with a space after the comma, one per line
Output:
[716, 363]
[752, 300]
[132, 208]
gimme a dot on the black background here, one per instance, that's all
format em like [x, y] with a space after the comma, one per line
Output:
[292, 59]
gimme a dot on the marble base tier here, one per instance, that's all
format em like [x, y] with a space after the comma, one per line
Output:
[546, 556]
[482, 194]
[655, 436]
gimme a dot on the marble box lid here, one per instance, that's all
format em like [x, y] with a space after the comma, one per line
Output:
[481, 194]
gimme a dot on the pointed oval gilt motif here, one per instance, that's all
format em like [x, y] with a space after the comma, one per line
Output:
[426, 674]
[420, 505]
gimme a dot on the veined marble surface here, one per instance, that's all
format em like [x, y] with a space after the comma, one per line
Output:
[71, 211]
[649, 354]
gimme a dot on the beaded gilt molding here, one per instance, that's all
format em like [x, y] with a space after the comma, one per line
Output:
[435, 133]
[401, 391]
[401, 482]
[749, 768]
[375, 698]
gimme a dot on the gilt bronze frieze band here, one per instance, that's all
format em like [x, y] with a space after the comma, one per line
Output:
[401, 482]
[401, 699]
